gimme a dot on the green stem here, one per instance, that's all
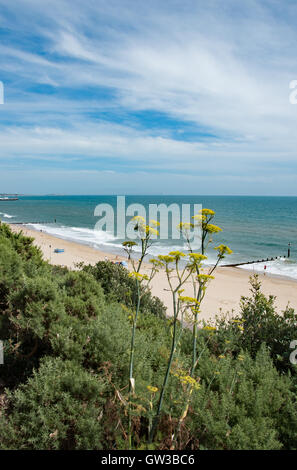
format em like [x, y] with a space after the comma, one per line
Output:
[131, 366]
[173, 347]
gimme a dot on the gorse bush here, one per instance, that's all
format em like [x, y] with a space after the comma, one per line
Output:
[21, 244]
[60, 407]
[119, 287]
[258, 323]
[84, 296]
[241, 404]
[11, 270]
[67, 339]
[35, 306]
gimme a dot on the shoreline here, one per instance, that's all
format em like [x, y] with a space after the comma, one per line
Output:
[223, 294]
[117, 253]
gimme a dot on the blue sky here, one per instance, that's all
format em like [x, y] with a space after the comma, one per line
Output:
[126, 97]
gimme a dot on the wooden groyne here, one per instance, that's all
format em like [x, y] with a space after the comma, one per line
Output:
[251, 262]
[5, 197]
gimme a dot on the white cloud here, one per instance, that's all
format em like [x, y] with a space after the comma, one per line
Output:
[226, 70]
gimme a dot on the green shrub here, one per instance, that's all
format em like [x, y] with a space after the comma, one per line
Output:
[49, 317]
[119, 287]
[60, 407]
[109, 339]
[258, 323]
[84, 295]
[11, 270]
[74, 330]
[241, 404]
[21, 244]
[34, 309]
[36, 306]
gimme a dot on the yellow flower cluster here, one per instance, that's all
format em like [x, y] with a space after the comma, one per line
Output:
[204, 215]
[197, 257]
[188, 380]
[129, 243]
[138, 276]
[209, 328]
[210, 228]
[239, 324]
[199, 217]
[156, 262]
[189, 300]
[152, 389]
[139, 219]
[145, 230]
[207, 212]
[166, 258]
[150, 230]
[177, 254]
[223, 250]
[204, 277]
[154, 223]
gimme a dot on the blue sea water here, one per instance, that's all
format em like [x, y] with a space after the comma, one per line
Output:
[254, 227]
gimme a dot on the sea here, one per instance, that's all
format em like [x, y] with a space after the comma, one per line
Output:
[255, 228]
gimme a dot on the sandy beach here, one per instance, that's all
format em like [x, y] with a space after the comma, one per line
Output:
[223, 294]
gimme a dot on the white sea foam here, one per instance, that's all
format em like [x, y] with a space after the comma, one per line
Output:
[106, 241]
[100, 239]
[94, 238]
[279, 267]
[6, 216]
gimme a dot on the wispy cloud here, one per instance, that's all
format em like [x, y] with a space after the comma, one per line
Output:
[166, 87]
